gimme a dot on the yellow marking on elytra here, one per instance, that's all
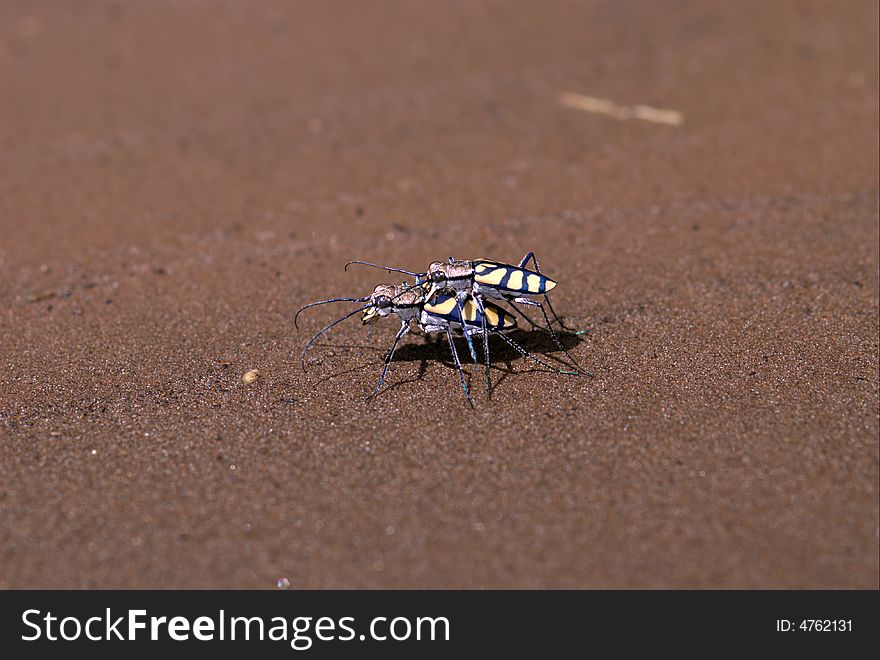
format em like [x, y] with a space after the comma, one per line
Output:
[470, 311]
[492, 277]
[509, 321]
[516, 280]
[442, 309]
[533, 283]
[549, 284]
[491, 317]
[484, 267]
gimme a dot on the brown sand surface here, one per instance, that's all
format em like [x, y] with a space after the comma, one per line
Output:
[177, 178]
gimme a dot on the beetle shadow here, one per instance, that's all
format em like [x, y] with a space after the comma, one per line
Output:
[502, 356]
[536, 342]
[435, 348]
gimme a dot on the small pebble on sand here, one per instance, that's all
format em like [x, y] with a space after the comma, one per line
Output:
[250, 377]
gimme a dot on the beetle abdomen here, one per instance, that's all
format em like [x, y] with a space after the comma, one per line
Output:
[511, 278]
[445, 307]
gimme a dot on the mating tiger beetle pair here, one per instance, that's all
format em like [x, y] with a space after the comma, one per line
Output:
[453, 297]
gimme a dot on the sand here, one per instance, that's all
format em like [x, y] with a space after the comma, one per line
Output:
[176, 179]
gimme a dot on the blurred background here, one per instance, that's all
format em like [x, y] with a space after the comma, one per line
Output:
[177, 178]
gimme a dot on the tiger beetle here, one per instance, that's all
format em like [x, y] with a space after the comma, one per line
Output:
[446, 314]
[483, 279]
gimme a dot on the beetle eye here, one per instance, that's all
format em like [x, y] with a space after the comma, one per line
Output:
[438, 276]
[382, 302]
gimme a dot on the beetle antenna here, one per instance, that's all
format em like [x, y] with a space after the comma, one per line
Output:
[388, 268]
[409, 288]
[302, 357]
[324, 302]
